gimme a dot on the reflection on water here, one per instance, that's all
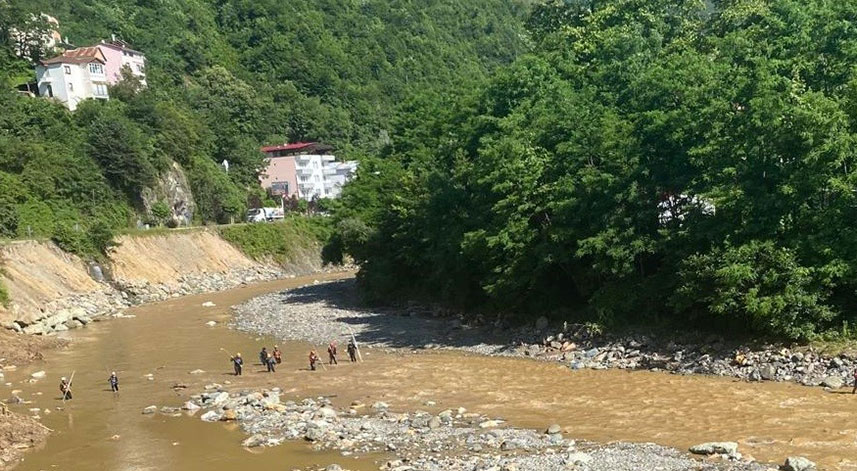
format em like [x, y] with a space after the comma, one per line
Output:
[168, 340]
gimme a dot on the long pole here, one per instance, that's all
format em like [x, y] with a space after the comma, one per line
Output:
[68, 387]
[354, 339]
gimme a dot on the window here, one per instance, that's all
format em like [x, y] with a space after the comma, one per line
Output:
[67, 69]
[317, 178]
[96, 68]
[140, 68]
[50, 91]
[100, 89]
[71, 87]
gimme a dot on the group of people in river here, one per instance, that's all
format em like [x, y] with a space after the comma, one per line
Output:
[65, 385]
[268, 359]
[271, 359]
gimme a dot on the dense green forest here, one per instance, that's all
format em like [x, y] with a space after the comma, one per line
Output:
[650, 161]
[225, 77]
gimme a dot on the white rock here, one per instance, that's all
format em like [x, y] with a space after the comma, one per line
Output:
[208, 304]
[211, 323]
[38, 375]
[210, 416]
[798, 463]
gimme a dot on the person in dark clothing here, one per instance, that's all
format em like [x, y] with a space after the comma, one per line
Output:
[263, 356]
[313, 359]
[271, 363]
[352, 351]
[65, 388]
[237, 363]
[114, 382]
[331, 354]
[278, 355]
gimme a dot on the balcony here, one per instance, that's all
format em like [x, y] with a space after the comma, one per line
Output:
[304, 171]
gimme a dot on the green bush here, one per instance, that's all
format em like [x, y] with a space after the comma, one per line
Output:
[35, 219]
[4, 295]
[279, 242]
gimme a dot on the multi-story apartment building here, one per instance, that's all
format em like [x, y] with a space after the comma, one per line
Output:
[306, 170]
[74, 76]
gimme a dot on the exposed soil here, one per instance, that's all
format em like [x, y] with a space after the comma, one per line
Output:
[18, 432]
[19, 349]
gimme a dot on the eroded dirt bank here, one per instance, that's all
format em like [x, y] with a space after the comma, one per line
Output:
[50, 290]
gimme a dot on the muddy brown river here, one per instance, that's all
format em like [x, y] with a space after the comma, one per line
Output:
[101, 431]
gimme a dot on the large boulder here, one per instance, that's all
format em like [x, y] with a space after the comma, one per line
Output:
[833, 382]
[798, 463]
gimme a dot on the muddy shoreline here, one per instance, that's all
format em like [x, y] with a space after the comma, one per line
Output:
[332, 311]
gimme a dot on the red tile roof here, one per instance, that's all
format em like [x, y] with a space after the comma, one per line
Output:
[81, 55]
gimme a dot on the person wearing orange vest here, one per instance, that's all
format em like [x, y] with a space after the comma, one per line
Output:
[313, 359]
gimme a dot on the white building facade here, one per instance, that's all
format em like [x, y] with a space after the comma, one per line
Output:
[76, 75]
[306, 170]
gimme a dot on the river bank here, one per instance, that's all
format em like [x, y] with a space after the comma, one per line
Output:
[451, 440]
[329, 311]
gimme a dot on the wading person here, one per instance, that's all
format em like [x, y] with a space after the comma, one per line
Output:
[114, 382]
[237, 363]
[352, 351]
[271, 363]
[65, 388]
[331, 354]
[263, 356]
[313, 359]
[278, 355]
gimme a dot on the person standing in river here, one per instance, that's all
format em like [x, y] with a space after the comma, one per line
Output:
[114, 382]
[263, 356]
[237, 363]
[271, 363]
[278, 355]
[331, 353]
[352, 351]
[65, 388]
[313, 359]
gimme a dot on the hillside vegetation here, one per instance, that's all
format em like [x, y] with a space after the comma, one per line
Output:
[225, 76]
[651, 161]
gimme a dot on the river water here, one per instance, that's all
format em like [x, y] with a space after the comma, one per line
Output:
[101, 431]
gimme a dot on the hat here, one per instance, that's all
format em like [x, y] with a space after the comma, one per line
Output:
[113, 373]
[237, 354]
[63, 378]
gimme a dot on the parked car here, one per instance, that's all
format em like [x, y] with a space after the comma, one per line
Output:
[265, 214]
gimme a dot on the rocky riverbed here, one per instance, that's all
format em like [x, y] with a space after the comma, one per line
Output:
[451, 440]
[330, 311]
[78, 310]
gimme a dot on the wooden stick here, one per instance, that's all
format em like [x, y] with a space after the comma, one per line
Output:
[356, 347]
[68, 387]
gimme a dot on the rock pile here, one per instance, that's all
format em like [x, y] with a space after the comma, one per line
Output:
[450, 440]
